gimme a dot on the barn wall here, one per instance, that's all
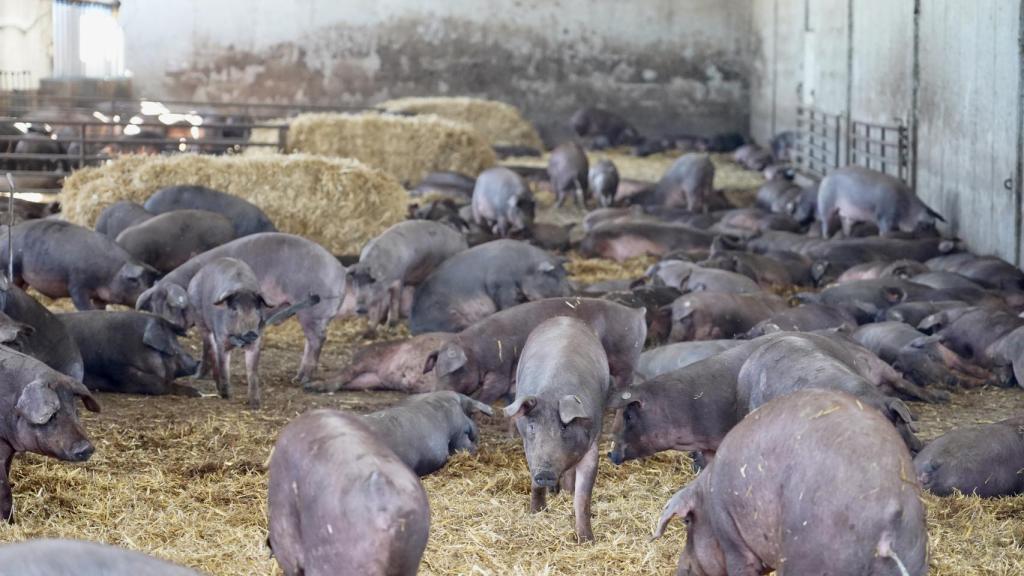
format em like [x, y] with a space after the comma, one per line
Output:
[670, 65]
[26, 32]
[967, 106]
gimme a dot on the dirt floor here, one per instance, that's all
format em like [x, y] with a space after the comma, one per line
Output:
[185, 479]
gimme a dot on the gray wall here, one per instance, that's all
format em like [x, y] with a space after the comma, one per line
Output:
[858, 59]
[669, 65]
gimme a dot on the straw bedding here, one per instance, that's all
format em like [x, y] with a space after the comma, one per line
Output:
[500, 123]
[185, 479]
[407, 147]
[339, 203]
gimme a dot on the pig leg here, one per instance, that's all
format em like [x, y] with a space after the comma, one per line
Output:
[81, 298]
[6, 498]
[394, 303]
[559, 197]
[538, 498]
[135, 381]
[252, 373]
[206, 366]
[315, 330]
[221, 367]
[568, 481]
[847, 226]
[586, 474]
[578, 199]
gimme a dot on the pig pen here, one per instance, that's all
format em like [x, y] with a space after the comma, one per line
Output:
[185, 479]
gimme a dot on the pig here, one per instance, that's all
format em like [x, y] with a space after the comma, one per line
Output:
[776, 194]
[483, 280]
[130, 352]
[395, 365]
[970, 332]
[246, 218]
[945, 281]
[688, 277]
[502, 201]
[986, 460]
[602, 128]
[739, 221]
[480, 361]
[561, 383]
[290, 269]
[552, 236]
[763, 270]
[1006, 357]
[39, 415]
[688, 182]
[913, 313]
[850, 251]
[168, 240]
[654, 301]
[804, 318]
[403, 255]
[330, 471]
[989, 271]
[764, 505]
[858, 194]
[47, 340]
[46, 557]
[425, 429]
[568, 171]
[712, 315]
[120, 216]
[752, 157]
[445, 183]
[865, 299]
[669, 357]
[604, 182]
[922, 359]
[882, 269]
[62, 259]
[622, 241]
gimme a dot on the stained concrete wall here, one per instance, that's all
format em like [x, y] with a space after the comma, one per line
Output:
[669, 65]
[859, 58]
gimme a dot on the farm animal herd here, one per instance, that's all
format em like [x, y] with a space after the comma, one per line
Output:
[781, 402]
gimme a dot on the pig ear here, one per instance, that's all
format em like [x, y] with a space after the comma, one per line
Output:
[619, 399]
[157, 338]
[897, 408]
[932, 323]
[570, 407]
[470, 406]
[145, 298]
[923, 341]
[431, 361]
[133, 271]
[177, 297]
[818, 269]
[79, 389]
[521, 407]
[222, 298]
[37, 403]
[546, 267]
[681, 504]
[450, 359]
[894, 294]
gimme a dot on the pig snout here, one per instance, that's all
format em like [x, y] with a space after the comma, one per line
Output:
[81, 451]
[545, 479]
[187, 366]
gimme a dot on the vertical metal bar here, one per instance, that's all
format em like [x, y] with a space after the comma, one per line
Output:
[915, 91]
[81, 146]
[10, 226]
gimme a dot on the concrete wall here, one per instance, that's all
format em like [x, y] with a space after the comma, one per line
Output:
[669, 65]
[858, 60]
[26, 38]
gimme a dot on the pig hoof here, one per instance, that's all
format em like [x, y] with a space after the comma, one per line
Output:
[587, 536]
[254, 404]
[321, 387]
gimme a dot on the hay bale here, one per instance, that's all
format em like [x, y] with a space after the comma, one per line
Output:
[406, 147]
[339, 203]
[500, 123]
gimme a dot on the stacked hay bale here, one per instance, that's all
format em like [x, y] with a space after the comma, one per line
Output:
[406, 147]
[339, 203]
[500, 123]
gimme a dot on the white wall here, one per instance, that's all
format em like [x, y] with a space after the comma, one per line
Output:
[670, 65]
[26, 37]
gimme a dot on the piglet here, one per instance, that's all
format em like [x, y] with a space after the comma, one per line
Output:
[341, 502]
[81, 558]
[425, 429]
[503, 201]
[227, 306]
[561, 383]
[604, 182]
[38, 414]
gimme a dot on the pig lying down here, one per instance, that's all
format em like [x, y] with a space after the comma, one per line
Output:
[766, 502]
[339, 497]
[79, 558]
[396, 365]
[986, 460]
[561, 383]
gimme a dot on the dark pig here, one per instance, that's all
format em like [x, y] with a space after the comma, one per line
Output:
[764, 270]
[120, 216]
[561, 383]
[712, 315]
[291, 270]
[689, 182]
[485, 279]
[568, 171]
[403, 255]
[984, 460]
[922, 359]
[244, 216]
[47, 557]
[764, 505]
[669, 357]
[39, 415]
[857, 194]
[804, 318]
[622, 241]
[689, 277]
[776, 194]
[882, 269]
[752, 157]
[654, 300]
[446, 183]
[61, 259]
[425, 429]
[48, 340]
[739, 221]
[502, 201]
[866, 299]
[130, 352]
[604, 182]
[395, 365]
[328, 469]
[480, 361]
[603, 128]
[913, 313]
[989, 271]
[168, 240]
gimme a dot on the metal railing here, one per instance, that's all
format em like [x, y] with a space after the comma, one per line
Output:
[15, 80]
[829, 141]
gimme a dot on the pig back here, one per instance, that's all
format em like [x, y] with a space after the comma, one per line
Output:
[58, 557]
[410, 250]
[50, 342]
[564, 356]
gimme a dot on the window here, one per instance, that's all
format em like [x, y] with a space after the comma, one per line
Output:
[87, 40]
